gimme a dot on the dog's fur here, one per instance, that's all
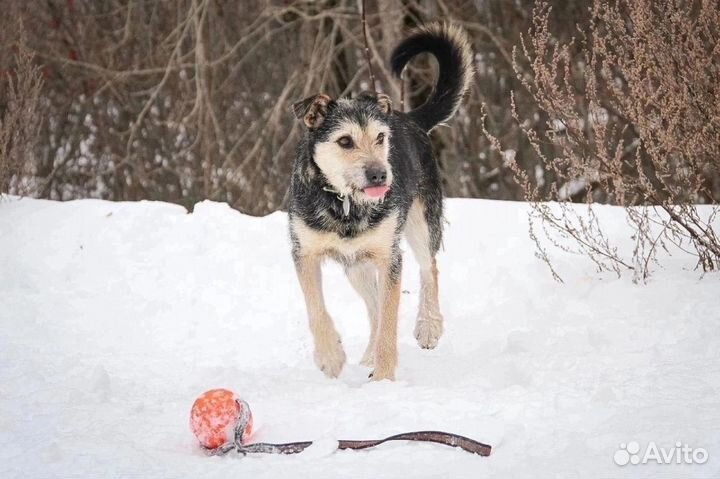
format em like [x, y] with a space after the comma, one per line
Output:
[351, 144]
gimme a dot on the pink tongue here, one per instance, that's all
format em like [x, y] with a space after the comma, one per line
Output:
[376, 191]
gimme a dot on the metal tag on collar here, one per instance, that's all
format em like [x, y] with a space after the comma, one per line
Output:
[344, 198]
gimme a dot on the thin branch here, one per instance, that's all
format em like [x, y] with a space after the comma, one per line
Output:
[367, 48]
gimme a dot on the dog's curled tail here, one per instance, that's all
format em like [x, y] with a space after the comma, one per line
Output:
[450, 45]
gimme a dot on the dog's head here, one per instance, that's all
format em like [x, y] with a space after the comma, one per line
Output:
[350, 141]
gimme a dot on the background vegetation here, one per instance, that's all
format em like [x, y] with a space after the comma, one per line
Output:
[574, 101]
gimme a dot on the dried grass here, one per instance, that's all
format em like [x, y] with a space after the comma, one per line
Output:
[20, 119]
[633, 118]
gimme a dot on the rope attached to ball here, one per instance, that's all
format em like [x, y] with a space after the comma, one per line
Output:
[438, 437]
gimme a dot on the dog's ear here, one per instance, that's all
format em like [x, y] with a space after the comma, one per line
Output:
[312, 110]
[381, 99]
[384, 102]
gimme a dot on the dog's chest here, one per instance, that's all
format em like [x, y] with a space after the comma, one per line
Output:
[373, 242]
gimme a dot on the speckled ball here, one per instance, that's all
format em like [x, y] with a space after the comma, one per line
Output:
[214, 415]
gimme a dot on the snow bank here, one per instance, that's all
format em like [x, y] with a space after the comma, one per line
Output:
[115, 316]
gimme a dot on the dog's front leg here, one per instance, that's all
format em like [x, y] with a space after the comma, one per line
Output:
[329, 354]
[389, 269]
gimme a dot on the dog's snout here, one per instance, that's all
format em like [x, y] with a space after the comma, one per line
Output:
[376, 175]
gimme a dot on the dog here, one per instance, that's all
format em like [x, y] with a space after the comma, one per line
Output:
[364, 175]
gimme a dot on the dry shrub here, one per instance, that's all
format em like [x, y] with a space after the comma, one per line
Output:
[20, 119]
[632, 109]
[189, 100]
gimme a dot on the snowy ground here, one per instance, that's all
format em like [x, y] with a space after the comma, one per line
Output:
[115, 316]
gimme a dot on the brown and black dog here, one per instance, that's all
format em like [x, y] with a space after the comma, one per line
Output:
[364, 175]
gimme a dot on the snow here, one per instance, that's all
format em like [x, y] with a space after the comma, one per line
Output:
[572, 188]
[114, 317]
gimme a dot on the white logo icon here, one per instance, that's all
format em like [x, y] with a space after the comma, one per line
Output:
[627, 454]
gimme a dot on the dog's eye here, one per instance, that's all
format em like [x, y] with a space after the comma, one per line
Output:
[380, 138]
[345, 142]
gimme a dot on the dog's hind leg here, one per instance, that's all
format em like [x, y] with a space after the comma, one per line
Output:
[363, 278]
[329, 354]
[424, 242]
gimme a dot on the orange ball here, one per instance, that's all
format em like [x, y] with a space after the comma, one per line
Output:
[214, 416]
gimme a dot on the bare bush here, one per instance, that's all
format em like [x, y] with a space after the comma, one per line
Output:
[634, 119]
[183, 101]
[186, 100]
[20, 120]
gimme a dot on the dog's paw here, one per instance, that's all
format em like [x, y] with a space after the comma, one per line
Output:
[428, 332]
[330, 358]
[385, 362]
[380, 373]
